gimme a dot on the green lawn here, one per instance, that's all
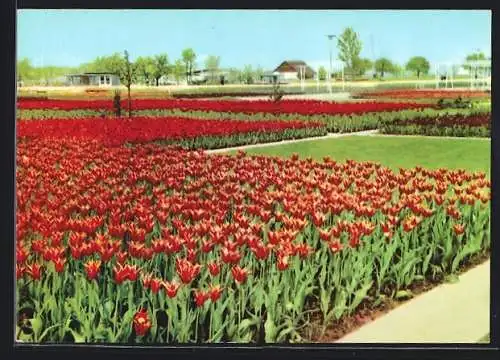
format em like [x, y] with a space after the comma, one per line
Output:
[394, 152]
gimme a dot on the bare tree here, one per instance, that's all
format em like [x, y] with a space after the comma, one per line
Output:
[128, 72]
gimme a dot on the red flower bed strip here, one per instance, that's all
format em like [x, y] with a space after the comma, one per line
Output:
[420, 94]
[144, 129]
[305, 107]
[451, 120]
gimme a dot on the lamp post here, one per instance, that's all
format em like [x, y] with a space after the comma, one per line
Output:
[330, 38]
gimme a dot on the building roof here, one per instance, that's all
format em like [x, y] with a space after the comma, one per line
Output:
[92, 73]
[99, 73]
[294, 66]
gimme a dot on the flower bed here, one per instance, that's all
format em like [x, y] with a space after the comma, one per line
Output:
[185, 131]
[216, 94]
[472, 124]
[332, 123]
[427, 94]
[305, 107]
[153, 244]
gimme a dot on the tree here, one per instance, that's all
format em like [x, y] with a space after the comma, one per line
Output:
[384, 65]
[178, 70]
[477, 56]
[212, 64]
[361, 66]
[322, 73]
[258, 73]
[248, 74]
[418, 65]
[127, 74]
[349, 46]
[188, 57]
[24, 69]
[161, 67]
[398, 69]
[234, 75]
[145, 68]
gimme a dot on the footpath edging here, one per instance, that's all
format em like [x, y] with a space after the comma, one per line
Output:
[450, 313]
[277, 143]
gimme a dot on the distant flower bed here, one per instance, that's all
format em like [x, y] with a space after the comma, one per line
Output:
[419, 94]
[461, 125]
[304, 107]
[229, 94]
[185, 131]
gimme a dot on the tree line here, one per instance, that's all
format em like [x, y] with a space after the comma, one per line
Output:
[151, 69]
[349, 47]
[147, 70]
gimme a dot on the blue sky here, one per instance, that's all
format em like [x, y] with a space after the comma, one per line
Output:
[239, 37]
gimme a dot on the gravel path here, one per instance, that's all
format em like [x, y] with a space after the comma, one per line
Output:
[431, 137]
[373, 133]
[329, 136]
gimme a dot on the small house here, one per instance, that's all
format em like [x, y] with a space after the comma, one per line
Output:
[291, 70]
[93, 79]
[203, 76]
[272, 77]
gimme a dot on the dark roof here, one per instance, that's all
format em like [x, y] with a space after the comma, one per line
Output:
[93, 73]
[294, 64]
[99, 73]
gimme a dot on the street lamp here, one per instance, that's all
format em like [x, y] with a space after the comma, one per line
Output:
[330, 37]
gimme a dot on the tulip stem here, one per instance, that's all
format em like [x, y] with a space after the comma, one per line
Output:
[196, 326]
[210, 324]
[116, 310]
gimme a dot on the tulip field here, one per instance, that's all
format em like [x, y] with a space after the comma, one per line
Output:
[129, 232]
[426, 94]
[305, 107]
[193, 133]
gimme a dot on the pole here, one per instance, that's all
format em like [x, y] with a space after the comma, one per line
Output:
[317, 80]
[330, 37]
[437, 76]
[330, 79]
[343, 79]
[451, 76]
[302, 77]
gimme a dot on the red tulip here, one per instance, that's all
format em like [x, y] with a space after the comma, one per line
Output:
[34, 270]
[20, 270]
[142, 324]
[121, 257]
[200, 297]
[21, 254]
[215, 292]
[123, 272]
[239, 274]
[283, 263]
[92, 268]
[214, 269]
[146, 280]
[171, 288]
[59, 264]
[335, 246]
[186, 270]
[155, 285]
[459, 229]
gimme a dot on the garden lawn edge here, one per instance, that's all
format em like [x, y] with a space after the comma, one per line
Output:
[450, 313]
[329, 136]
[377, 133]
